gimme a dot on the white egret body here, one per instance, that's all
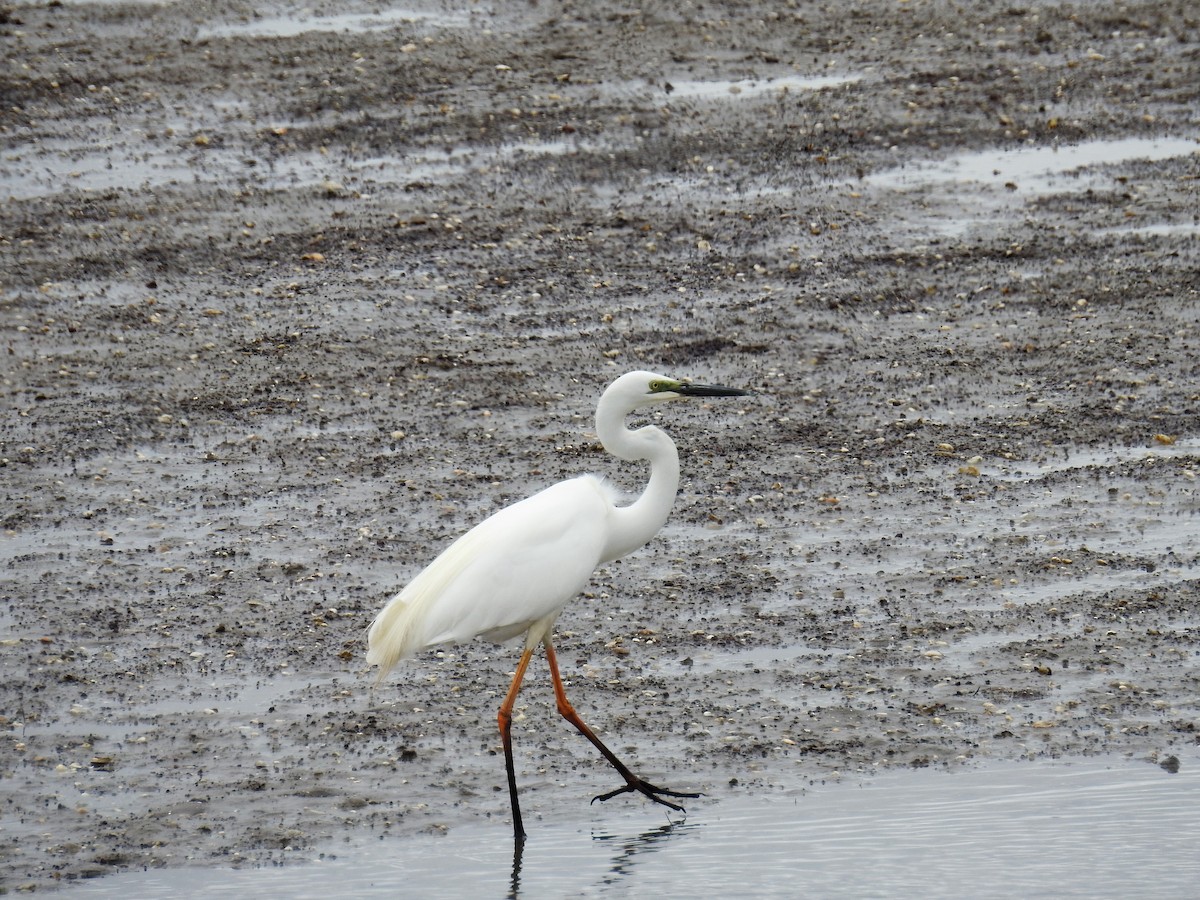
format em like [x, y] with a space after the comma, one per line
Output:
[514, 572]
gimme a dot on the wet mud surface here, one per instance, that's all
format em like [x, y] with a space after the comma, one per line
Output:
[291, 299]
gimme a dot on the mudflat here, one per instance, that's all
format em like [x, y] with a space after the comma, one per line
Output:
[290, 298]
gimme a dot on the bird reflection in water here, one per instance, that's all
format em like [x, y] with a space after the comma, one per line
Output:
[627, 848]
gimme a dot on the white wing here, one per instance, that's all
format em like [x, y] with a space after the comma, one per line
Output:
[516, 569]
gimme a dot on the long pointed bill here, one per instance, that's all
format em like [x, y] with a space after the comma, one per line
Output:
[709, 390]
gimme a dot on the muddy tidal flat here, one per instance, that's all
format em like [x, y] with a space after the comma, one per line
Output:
[292, 295]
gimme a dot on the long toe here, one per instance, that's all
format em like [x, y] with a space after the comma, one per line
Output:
[647, 789]
[646, 786]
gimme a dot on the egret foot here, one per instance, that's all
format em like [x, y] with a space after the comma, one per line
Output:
[632, 782]
[653, 792]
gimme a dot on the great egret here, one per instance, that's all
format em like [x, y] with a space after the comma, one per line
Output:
[514, 572]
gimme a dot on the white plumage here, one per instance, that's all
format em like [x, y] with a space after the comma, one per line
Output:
[514, 572]
[445, 603]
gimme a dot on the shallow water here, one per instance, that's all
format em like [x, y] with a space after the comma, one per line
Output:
[297, 22]
[727, 89]
[1036, 169]
[1001, 181]
[1085, 828]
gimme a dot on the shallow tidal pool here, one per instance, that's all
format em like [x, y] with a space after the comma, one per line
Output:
[1080, 828]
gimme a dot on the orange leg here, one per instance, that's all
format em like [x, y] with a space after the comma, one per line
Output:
[505, 720]
[567, 711]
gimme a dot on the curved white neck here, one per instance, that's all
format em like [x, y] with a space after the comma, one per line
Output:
[635, 524]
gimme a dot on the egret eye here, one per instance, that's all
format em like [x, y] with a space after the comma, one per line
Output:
[658, 386]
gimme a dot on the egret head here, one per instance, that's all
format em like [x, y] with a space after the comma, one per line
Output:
[641, 389]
